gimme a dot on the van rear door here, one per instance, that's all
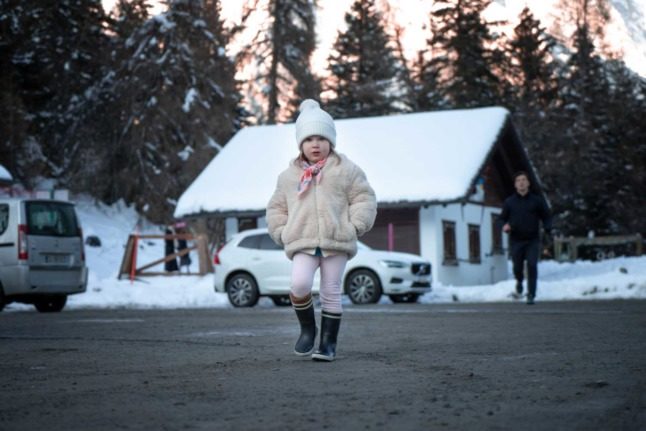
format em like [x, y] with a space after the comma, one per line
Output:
[54, 238]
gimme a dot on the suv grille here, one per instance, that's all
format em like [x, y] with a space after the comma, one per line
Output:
[421, 268]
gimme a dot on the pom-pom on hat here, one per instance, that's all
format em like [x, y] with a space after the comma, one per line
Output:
[312, 121]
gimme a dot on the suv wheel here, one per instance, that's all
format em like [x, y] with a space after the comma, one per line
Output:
[363, 287]
[51, 304]
[242, 290]
[406, 297]
[2, 303]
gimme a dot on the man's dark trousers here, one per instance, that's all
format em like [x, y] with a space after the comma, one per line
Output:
[522, 250]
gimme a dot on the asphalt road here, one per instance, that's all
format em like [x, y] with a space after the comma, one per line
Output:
[569, 365]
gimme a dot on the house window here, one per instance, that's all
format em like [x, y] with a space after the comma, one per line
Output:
[450, 255]
[474, 243]
[246, 223]
[496, 234]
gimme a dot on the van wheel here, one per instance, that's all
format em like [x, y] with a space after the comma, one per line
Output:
[2, 303]
[242, 290]
[51, 304]
[363, 287]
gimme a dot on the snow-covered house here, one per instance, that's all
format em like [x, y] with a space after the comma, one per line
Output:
[6, 180]
[5, 177]
[440, 179]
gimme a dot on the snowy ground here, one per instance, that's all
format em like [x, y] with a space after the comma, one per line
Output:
[610, 279]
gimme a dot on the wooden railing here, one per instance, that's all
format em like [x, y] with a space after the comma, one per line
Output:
[567, 248]
[129, 262]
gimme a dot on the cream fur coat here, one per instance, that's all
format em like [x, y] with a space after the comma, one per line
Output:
[330, 215]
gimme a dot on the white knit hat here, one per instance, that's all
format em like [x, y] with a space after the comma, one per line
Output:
[312, 121]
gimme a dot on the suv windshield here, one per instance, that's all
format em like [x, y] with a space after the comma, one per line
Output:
[51, 219]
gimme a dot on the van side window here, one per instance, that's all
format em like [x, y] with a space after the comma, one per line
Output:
[4, 217]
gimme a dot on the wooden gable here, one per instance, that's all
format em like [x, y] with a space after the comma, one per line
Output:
[505, 159]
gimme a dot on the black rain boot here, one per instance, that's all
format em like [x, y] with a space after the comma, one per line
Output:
[519, 288]
[304, 308]
[330, 323]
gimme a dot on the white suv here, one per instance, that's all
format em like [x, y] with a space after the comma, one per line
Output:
[251, 265]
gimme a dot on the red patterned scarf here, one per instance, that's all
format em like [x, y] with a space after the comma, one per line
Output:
[310, 171]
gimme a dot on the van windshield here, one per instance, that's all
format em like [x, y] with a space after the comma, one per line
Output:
[51, 219]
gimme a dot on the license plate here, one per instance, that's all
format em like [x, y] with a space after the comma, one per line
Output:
[59, 259]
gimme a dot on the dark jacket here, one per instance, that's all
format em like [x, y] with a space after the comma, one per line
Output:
[523, 214]
[170, 265]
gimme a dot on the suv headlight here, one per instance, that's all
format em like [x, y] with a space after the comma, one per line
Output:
[393, 264]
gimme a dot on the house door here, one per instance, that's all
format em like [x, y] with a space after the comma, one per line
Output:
[405, 230]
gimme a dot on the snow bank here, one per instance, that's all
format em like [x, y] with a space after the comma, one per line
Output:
[620, 278]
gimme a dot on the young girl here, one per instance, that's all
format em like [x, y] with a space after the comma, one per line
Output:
[322, 203]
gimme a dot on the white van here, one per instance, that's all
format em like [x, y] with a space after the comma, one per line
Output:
[42, 259]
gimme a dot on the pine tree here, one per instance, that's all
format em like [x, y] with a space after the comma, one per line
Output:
[50, 66]
[364, 71]
[466, 58]
[405, 78]
[406, 75]
[533, 75]
[626, 132]
[94, 117]
[58, 63]
[533, 69]
[587, 124]
[583, 117]
[279, 56]
[164, 112]
[14, 124]
[593, 14]
[127, 16]
[427, 95]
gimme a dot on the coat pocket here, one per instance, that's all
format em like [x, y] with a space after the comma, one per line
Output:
[345, 231]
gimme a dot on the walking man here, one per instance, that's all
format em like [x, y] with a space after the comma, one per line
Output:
[521, 214]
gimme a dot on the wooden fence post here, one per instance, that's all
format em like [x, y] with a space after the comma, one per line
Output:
[129, 261]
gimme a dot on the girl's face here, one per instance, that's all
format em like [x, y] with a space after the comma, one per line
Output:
[315, 148]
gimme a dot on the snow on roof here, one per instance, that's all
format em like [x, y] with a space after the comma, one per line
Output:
[4, 174]
[420, 157]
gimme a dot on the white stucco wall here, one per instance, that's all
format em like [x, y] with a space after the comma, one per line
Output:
[231, 226]
[492, 268]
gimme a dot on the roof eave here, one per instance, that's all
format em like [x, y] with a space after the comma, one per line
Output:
[380, 204]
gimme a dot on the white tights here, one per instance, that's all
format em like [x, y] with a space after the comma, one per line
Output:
[304, 267]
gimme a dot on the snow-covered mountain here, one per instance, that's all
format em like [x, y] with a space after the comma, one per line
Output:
[632, 15]
[625, 34]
